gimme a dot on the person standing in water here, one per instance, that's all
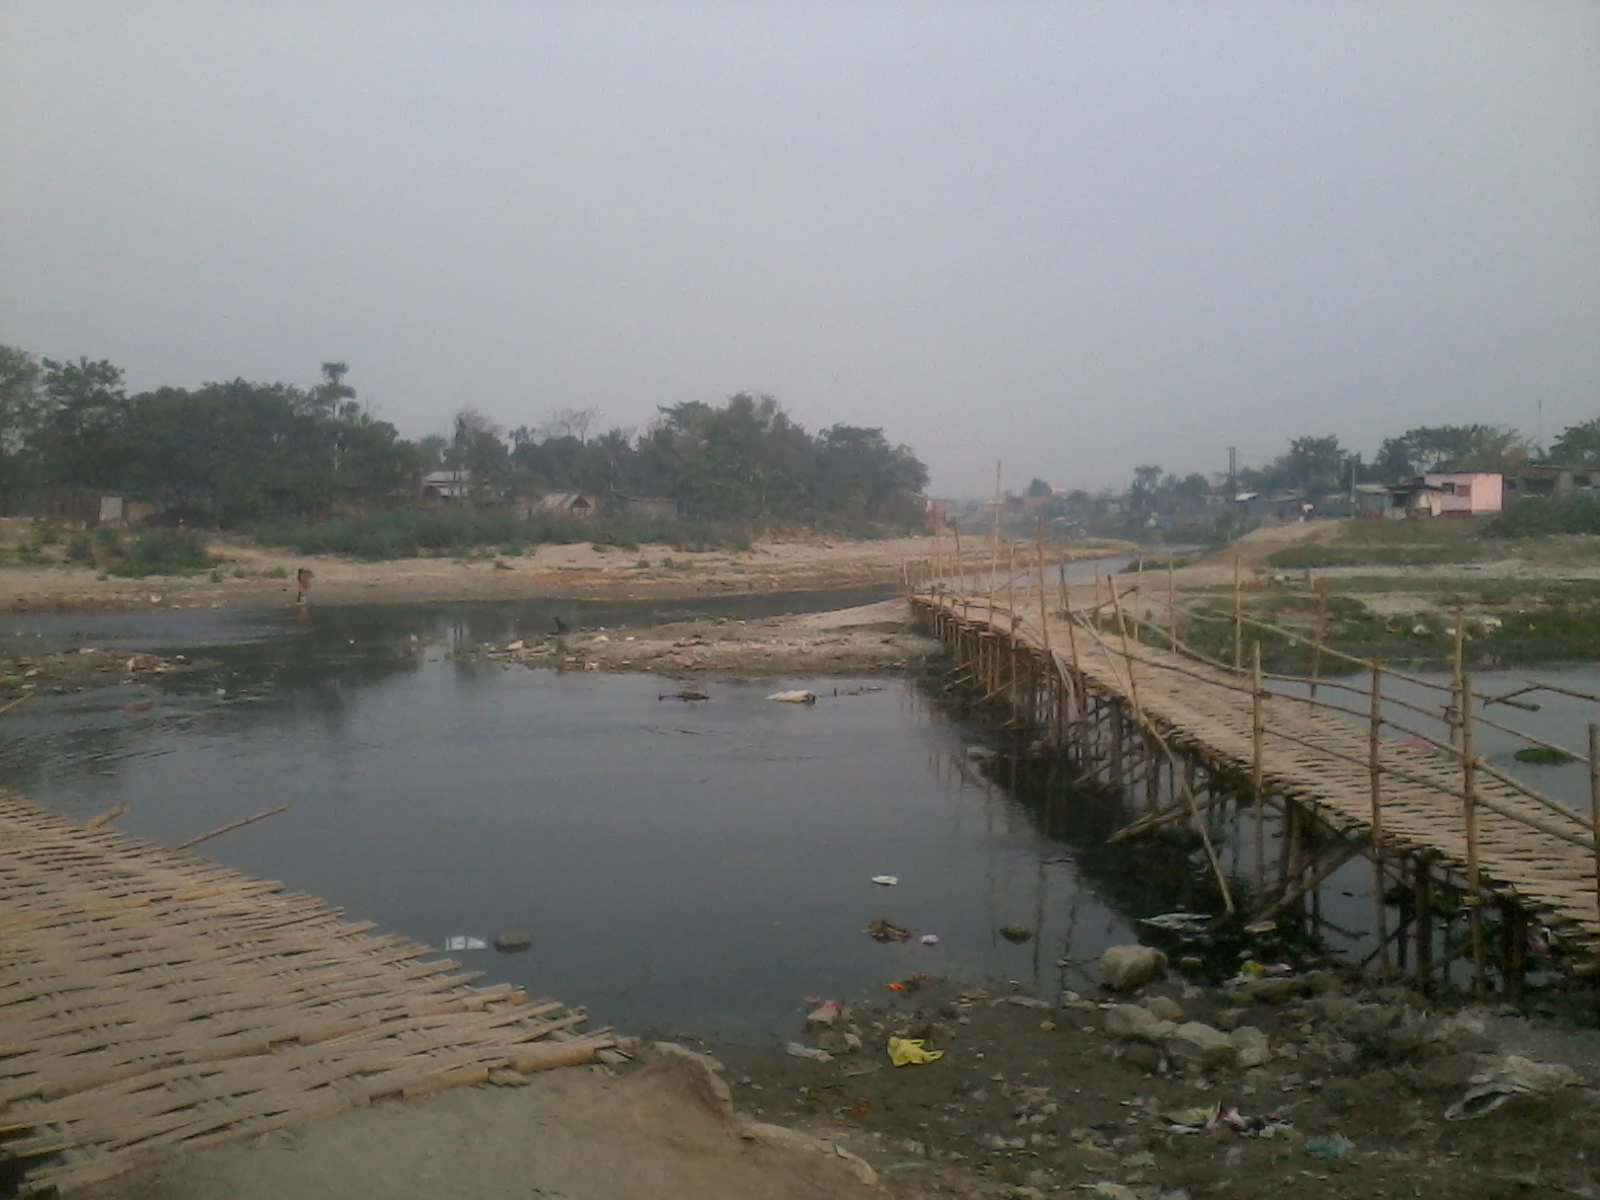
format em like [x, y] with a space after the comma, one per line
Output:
[302, 585]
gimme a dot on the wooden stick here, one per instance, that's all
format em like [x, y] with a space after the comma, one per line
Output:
[1594, 800]
[994, 545]
[1322, 634]
[1172, 604]
[105, 818]
[1257, 726]
[1375, 782]
[231, 826]
[1044, 604]
[1469, 807]
[22, 699]
[1238, 618]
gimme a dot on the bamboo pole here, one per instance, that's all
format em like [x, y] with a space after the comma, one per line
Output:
[1238, 618]
[1172, 605]
[1469, 806]
[231, 826]
[1138, 586]
[994, 545]
[1375, 783]
[1257, 726]
[1322, 636]
[961, 579]
[1594, 800]
[1044, 604]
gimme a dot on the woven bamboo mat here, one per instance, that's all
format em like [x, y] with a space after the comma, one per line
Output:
[152, 1002]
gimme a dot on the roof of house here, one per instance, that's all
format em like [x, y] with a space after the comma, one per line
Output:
[565, 500]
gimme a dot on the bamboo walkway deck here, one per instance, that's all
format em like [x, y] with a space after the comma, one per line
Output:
[1541, 858]
[153, 1002]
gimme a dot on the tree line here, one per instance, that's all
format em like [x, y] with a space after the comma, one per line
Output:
[235, 453]
[1320, 465]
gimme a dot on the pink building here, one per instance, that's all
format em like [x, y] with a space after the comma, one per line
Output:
[1466, 493]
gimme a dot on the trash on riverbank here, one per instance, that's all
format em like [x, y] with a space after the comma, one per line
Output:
[463, 942]
[796, 1050]
[886, 880]
[929, 939]
[909, 984]
[1515, 1076]
[796, 697]
[905, 1052]
[825, 1013]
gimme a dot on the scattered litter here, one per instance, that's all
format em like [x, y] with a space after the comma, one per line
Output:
[1016, 933]
[796, 1050]
[929, 939]
[462, 942]
[909, 984]
[825, 1013]
[1516, 1076]
[886, 880]
[1220, 1118]
[1182, 922]
[908, 1051]
[1265, 925]
[512, 943]
[794, 697]
[513, 647]
[980, 753]
[1336, 1147]
[1250, 969]
[888, 931]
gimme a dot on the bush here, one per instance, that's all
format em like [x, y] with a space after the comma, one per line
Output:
[1539, 516]
[162, 552]
[408, 533]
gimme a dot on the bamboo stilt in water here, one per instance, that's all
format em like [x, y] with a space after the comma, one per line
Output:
[1138, 587]
[1375, 782]
[1594, 800]
[1257, 728]
[994, 544]
[1422, 917]
[961, 578]
[1172, 606]
[1469, 807]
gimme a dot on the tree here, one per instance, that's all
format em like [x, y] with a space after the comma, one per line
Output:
[1038, 487]
[1314, 463]
[1145, 481]
[80, 429]
[1451, 448]
[1577, 445]
[20, 401]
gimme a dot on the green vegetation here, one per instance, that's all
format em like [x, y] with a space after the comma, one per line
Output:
[1413, 543]
[406, 533]
[1540, 516]
[1544, 756]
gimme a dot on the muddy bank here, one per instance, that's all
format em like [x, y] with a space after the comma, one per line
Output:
[869, 638]
[1322, 1085]
[76, 670]
[251, 576]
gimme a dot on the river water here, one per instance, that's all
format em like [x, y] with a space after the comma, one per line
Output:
[701, 868]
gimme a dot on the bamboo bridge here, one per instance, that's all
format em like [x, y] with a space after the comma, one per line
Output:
[152, 1002]
[1472, 868]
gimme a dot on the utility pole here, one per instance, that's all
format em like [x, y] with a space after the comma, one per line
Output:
[1233, 473]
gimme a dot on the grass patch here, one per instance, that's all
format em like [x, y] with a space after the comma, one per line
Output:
[411, 533]
[1540, 516]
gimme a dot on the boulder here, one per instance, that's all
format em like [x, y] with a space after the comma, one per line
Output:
[1200, 1045]
[1230, 1019]
[1250, 1046]
[1124, 968]
[1165, 1007]
[1143, 1057]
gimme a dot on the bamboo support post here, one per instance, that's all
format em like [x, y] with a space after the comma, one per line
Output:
[1321, 636]
[1138, 586]
[1238, 619]
[1594, 800]
[1375, 783]
[994, 544]
[1469, 803]
[1257, 728]
[1044, 605]
[1172, 605]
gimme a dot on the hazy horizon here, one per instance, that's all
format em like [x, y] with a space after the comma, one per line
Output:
[1072, 238]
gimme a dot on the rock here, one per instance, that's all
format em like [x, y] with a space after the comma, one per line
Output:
[1329, 1008]
[1130, 1020]
[1016, 934]
[1023, 1001]
[1165, 1007]
[1251, 1047]
[700, 1072]
[511, 943]
[1463, 1033]
[1124, 968]
[793, 1139]
[1200, 1045]
[1230, 1019]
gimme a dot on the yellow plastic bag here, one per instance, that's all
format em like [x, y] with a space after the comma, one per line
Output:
[903, 1051]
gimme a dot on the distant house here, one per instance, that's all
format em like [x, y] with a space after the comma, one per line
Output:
[573, 504]
[1467, 493]
[1550, 481]
[650, 508]
[447, 485]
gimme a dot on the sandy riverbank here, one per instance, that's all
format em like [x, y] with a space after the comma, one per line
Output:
[249, 576]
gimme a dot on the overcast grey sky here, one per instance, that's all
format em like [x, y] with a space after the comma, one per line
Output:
[1073, 236]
